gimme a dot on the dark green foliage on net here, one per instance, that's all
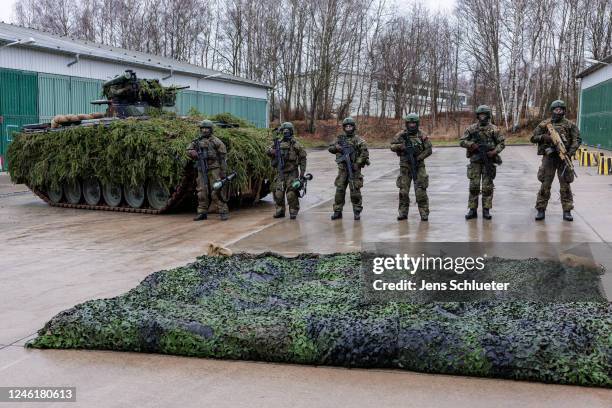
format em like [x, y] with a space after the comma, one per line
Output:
[130, 152]
[310, 310]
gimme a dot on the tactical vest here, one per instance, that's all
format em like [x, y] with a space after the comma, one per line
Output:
[209, 145]
[482, 135]
[290, 155]
[352, 141]
[563, 127]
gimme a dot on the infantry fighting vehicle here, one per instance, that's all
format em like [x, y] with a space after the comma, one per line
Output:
[102, 183]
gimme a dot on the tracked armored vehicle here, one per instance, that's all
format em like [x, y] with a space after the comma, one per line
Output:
[132, 157]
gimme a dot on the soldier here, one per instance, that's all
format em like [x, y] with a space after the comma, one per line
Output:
[483, 143]
[351, 155]
[552, 163]
[214, 152]
[286, 162]
[415, 142]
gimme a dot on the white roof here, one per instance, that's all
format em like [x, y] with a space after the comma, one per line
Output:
[66, 45]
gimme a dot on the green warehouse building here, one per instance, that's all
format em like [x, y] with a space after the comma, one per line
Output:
[595, 112]
[42, 75]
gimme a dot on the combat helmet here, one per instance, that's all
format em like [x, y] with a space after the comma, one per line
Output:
[287, 125]
[206, 124]
[412, 117]
[558, 104]
[483, 109]
[348, 121]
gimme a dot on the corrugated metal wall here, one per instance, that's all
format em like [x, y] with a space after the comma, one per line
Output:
[18, 105]
[596, 115]
[59, 94]
[252, 109]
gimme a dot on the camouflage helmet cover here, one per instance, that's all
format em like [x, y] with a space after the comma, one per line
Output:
[483, 109]
[557, 104]
[411, 117]
[206, 124]
[287, 125]
[348, 121]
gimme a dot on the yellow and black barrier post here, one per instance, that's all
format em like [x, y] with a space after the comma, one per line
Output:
[588, 159]
[605, 165]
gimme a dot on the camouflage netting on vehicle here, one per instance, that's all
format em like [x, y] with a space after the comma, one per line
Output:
[129, 151]
[310, 310]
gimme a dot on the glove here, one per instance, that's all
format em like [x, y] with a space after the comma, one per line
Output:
[193, 154]
[338, 147]
[546, 138]
[473, 147]
[492, 153]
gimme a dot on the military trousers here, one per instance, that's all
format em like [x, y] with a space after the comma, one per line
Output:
[404, 182]
[207, 197]
[481, 182]
[355, 185]
[282, 189]
[551, 165]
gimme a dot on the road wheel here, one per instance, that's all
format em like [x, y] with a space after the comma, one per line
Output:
[72, 191]
[112, 194]
[134, 196]
[55, 194]
[157, 194]
[92, 192]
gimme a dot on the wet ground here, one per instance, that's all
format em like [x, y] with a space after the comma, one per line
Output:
[53, 258]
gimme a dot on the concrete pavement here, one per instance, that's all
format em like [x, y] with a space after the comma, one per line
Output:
[53, 258]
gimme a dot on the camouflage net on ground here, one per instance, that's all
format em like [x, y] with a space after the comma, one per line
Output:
[310, 310]
[130, 151]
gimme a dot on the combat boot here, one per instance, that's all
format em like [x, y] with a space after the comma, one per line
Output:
[567, 216]
[336, 215]
[292, 216]
[424, 217]
[200, 217]
[540, 215]
[356, 215]
[486, 214]
[471, 214]
[279, 214]
[402, 217]
[223, 216]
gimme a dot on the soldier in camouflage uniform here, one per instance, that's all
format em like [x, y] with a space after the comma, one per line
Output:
[552, 163]
[482, 135]
[422, 149]
[294, 167]
[359, 158]
[217, 169]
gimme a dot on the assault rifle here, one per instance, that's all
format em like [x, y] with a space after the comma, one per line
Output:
[482, 155]
[345, 158]
[202, 163]
[559, 147]
[280, 163]
[409, 154]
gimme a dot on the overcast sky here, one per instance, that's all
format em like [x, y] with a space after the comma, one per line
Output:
[6, 7]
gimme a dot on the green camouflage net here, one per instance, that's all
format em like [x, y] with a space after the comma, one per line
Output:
[310, 310]
[131, 151]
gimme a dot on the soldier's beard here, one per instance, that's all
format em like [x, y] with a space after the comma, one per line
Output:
[483, 122]
[412, 131]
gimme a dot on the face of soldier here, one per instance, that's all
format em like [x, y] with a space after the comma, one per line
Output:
[558, 113]
[412, 126]
[349, 129]
[205, 132]
[287, 133]
[483, 118]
